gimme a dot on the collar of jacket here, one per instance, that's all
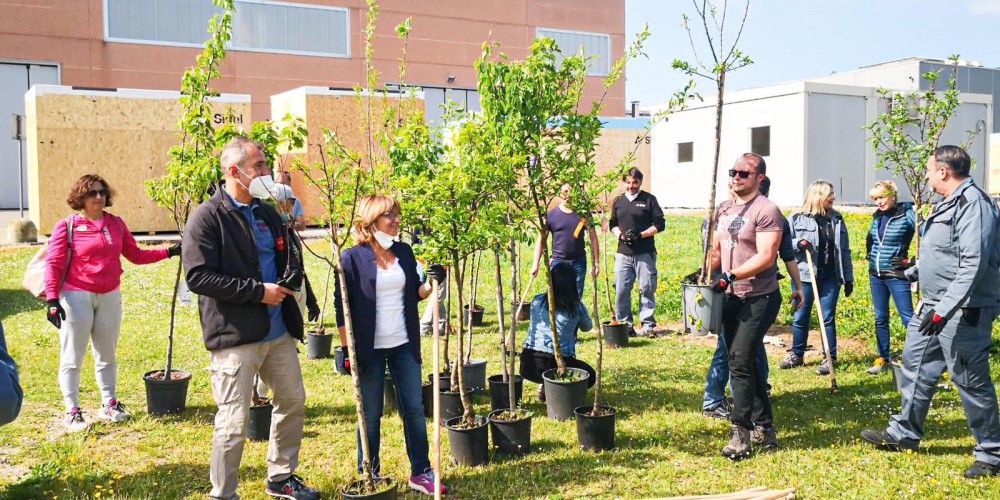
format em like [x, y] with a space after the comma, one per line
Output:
[953, 198]
[897, 210]
[369, 256]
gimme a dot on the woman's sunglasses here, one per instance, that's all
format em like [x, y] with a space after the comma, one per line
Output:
[94, 192]
[744, 174]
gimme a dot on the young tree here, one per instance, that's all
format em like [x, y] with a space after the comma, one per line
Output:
[724, 58]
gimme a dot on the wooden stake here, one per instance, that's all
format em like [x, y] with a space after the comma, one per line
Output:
[436, 389]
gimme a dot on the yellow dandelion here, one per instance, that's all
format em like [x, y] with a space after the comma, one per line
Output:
[909, 452]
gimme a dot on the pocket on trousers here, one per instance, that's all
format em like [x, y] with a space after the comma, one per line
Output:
[971, 315]
[225, 384]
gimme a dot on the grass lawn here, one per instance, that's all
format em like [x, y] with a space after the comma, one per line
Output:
[665, 446]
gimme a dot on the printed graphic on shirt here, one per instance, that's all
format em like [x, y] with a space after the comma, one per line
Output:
[732, 225]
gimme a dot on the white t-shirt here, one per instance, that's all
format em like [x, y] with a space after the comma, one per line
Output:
[390, 326]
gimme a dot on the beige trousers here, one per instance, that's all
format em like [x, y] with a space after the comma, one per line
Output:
[233, 372]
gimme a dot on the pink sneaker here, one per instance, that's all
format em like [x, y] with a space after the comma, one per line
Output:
[424, 483]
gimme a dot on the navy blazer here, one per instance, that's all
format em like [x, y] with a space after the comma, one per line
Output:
[360, 271]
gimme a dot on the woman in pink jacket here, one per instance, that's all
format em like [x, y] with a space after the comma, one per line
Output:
[82, 289]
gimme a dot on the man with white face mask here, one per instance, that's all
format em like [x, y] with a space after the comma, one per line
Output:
[237, 251]
[636, 217]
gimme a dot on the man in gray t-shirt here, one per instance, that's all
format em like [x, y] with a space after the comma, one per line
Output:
[745, 248]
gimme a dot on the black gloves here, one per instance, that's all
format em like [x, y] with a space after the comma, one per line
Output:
[632, 236]
[174, 250]
[722, 284]
[437, 273]
[313, 311]
[55, 313]
[901, 263]
[803, 245]
[848, 288]
[932, 324]
[345, 365]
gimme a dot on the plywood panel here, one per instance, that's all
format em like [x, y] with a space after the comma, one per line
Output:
[614, 146]
[122, 136]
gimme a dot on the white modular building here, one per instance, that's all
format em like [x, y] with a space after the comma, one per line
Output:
[805, 130]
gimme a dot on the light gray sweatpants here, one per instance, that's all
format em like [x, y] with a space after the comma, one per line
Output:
[96, 316]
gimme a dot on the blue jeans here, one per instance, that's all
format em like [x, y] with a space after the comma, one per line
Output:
[829, 291]
[718, 374]
[882, 289]
[580, 266]
[405, 373]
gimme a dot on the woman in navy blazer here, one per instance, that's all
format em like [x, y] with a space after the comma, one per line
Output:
[383, 289]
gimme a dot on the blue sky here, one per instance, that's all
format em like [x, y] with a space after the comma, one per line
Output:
[797, 39]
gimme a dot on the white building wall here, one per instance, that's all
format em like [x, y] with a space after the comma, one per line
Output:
[687, 185]
[836, 147]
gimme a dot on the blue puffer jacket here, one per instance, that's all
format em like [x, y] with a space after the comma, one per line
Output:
[804, 227]
[894, 243]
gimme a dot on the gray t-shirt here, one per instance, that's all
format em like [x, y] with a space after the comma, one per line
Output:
[736, 228]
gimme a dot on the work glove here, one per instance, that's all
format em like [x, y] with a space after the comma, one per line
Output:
[848, 288]
[804, 246]
[901, 263]
[692, 278]
[437, 272]
[313, 311]
[632, 235]
[55, 313]
[174, 250]
[932, 324]
[345, 366]
[722, 284]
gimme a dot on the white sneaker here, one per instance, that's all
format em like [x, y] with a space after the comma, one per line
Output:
[74, 421]
[113, 412]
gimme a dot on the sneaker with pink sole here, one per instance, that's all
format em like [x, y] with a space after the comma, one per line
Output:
[424, 483]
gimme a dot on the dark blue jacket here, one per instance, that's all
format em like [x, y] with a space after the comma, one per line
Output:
[11, 395]
[894, 243]
[360, 271]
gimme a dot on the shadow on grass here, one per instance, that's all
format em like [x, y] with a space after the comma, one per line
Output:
[179, 480]
[16, 301]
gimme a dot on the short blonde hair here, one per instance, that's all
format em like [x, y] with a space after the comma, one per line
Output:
[816, 195]
[370, 208]
[883, 189]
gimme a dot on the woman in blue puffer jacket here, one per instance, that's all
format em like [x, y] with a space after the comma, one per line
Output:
[824, 228]
[893, 226]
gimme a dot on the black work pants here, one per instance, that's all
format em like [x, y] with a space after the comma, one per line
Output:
[744, 323]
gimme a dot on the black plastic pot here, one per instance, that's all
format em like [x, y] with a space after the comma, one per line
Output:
[445, 380]
[615, 335]
[512, 437]
[259, 423]
[525, 313]
[389, 391]
[427, 393]
[562, 397]
[475, 376]
[318, 346]
[469, 447]
[451, 406]
[476, 319]
[387, 494]
[595, 433]
[339, 355]
[500, 391]
[166, 396]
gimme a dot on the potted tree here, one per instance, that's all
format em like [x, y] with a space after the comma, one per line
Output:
[702, 308]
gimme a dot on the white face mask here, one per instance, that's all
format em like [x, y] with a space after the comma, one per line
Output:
[384, 240]
[630, 196]
[260, 187]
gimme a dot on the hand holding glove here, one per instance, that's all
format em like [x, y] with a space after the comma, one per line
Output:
[932, 324]
[722, 284]
[901, 263]
[313, 311]
[437, 273]
[174, 250]
[55, 313]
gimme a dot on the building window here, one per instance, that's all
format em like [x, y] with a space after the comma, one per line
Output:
[258, 25]
[760, 140]
[596, 46]
[685, 152]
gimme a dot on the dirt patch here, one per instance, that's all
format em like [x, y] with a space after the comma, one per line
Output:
[779, 333]
[11, 472]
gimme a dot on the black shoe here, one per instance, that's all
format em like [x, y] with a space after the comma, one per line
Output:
[722, 411]
[824, 367]
[884, 441]
[739, 443]
[981, 469]
[292, 489]
[764, 437]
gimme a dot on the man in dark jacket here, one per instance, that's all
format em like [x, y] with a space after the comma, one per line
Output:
[636, 217]
[236, 251]
[11, 395]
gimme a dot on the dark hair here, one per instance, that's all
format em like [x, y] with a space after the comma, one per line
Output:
[633, 172]
[78, 195]
[765, 187]
[955, 158]
[564, 288]
[761, 164]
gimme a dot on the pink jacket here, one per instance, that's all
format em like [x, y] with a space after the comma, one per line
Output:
[95, 265]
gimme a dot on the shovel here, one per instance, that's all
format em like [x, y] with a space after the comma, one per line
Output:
[807, 247]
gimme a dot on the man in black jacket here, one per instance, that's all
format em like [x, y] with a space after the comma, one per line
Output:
[236, 251]
[636, 217]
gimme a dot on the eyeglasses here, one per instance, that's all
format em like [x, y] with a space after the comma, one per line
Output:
[391, 216]
[94, 192]
[744, 174]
